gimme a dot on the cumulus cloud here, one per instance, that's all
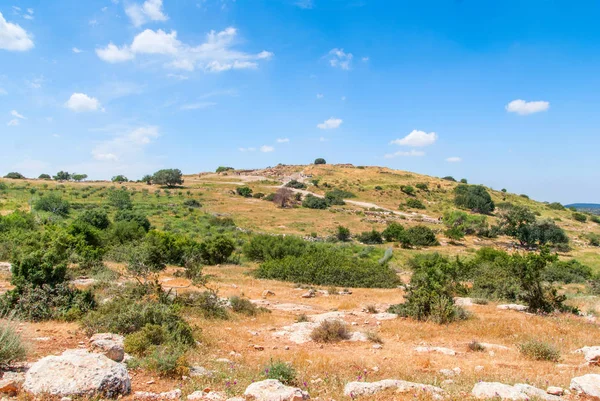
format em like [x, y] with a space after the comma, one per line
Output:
[247, 149]
[320, 96]
[76, 50]
[216, 54]
[523, 108]
[340, 59]
[124, 145]
[454, 159]
[331, 123]
[267, 149]
[417, 139]
[13, 37]
[411, 153]
[80, 102]
[15, 113]
[149, 10]
[283, 140]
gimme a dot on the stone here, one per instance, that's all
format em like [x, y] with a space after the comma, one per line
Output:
[274, 390]
[9, 386]
[517, 307]
[495, 346]
[357, 389]
[77, 372]
[309, 294]
[267, 293]
[147, 396]
[450, 372]
[110, 345]
[587, 384]
[5, 266]
[385, 316]
[558, 391]
[591, 354]
[441, 350]
[320, 318]
[489, 390]
[200, 371]
[377, 346]
[458, 301]
[358, 336]
[207, 396]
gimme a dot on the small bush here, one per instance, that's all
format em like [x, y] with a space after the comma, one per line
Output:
[419, 236]
[342, 234]
[191, 203]
[140, 342]
[539, 351]
[320, 160]
[556, 206]
[95, 218]
[475, 346]
[302, 318]
[374, 337]
[595, 219]
[393, 232]
[415, 204]
[580, 217]
[53, 204]
[422, 186]
[246, 192]
[11, 347]
[449, 178]
[372, 237]
[474, 197]
[408, 190]
[244, 306]
[209, 304]
[296, 184]
[314, 202]
[282, 371]
[167, 361]
[330, 331]
[216, 250]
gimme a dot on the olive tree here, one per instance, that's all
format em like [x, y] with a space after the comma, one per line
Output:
[170, 177]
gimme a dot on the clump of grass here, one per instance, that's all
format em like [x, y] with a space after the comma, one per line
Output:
[11, 347]
[245, 307]
[282, 371]
[332, 291]
[374, 337]
[539, 351]
[330, 331]
[371, 309]
[302, 318]
[476, 346]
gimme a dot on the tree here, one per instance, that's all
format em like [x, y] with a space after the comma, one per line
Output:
[120, 198]
[62, 176]
[95, 218]
[15, 176]
[170, 177]
[145, 260]
[119, 178]
[283, 197]
[44, 177]
[419, 236]
[474, 197]
[320, 160]
[246, 192]
[147, 179]
[296, 184]
[216, 250]
[79, 177]
[130, 216]
[222, 169]
[314, 202]
[449, 178]
[370, 237]
[393, 232]
[52, 203]
[408, 190]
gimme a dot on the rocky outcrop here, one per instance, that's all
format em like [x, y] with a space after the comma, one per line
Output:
[11, 382]
[77, 373]
[517, 307]
[274, 390]
[588, 385]
[489, 390]
[440, 350]
[167, 395]
[108, 344]
[359, 389]
[207, 396]
[591, 354]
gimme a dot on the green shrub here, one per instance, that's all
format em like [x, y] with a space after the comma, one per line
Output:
[11, 346]
[216, 250]
[15, 176]
[208, 303]
[282, 371]
[246, 192]
[449, 178]
[422, 186]
[44, 177]
[415, 204]
[296, 184]
[166, 361]
[333, 198]
[408, 190]
[136, 217]
[556, 206]
[320, 160]
[539, 351]
[95, 218]
[342, 234]
[330, 331]
[120, 199]
[567, 272]
[419, 236]
[222, 169]
[170, 177]
[460, 224]
[244, 306]
[473, 197]
[192, 203]
[265, 247]
[372, 237]
[54, 204]
[314, 202]
[393, 232]
[594, 239]
[595, 219]
[340, 193]
[580, 217]
[140, 342]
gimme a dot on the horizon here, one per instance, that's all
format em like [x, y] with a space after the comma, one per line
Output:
[500, 94]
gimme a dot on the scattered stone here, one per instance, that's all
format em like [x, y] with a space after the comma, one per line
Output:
[274, 390]
[591, 354]
[110, 345]
[356, 389]
[200, 371]
[77, 373]
[289, 307]
[488, 390]
[327, 316]
[83, 281]
[377, 346]
[450, 372]
[558, 391]
[441, 350]
[147, 396]
[495, 346]
[309, 294]
[345, 292]
[358, 336]
[208, 396]
[517, 307]
[587, 384]
[267, 293]
[458, 301]
[385, 316]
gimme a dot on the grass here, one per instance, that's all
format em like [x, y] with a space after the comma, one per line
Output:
[282, 371]
[539, 351]
[11, 346]
[330, 331]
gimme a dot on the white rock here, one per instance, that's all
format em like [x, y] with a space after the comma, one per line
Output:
[167, 395]
[327, 316]
[200, 371]
[385, 316]
[517, 307]
[441, 350]
[358, 336]
[450, 372]
[458, 301]
[558, 391]
[274, 390]
[488, 390]
[111, 345]
[309, 294]
[587, 384]
[210, 396]
[77, 373]
[591, 354]
[267, 293]
[5, 266]
[356, 389]
[495, 346]
[377, 346]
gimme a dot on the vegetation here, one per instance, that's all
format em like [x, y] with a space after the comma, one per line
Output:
[342, 234]
[223, 169]
[330, 331]
[314, 202]
[370, 237]
[62, 176]
[415, 204]
[53, 204]
[11, 346]
[473, 197]
[296, 184]
[320, 160]
[582, 218]
[282, 371]
[539, 351]
[119, 179]
[169, 177]
[15, 176]
[246, 192]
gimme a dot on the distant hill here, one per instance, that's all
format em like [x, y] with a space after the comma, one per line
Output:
[586, 207]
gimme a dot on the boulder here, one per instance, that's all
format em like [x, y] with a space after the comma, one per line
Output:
[309, 294]
[591, 354]
[357, 389]
[441, 350]
[517, 307]
[200, 371]
[488, 390]
[167, 395]
[459, 301]
[11, 382]
[207, 396]
[558, 391]
[385, 316]
[108, 344]
[77, 373]
[274, 390]
[588, 385]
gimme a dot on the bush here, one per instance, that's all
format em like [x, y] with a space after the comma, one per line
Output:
[460, 224]
[117, 178]
[408, 190]
[330, 331]
[595, 219]
[340, 193]
[419, 236]
[44, 177]
[191, 203]
[120, 199]
[96, 218]
[296, 184]
[15, 176]
[372, 237]
[265, 247]
[54, 204]
[244, 306]
[567, 272]
[342, 234]
[314, 202]
[246, 192]
[580, 217]
[393, 232]
[222, 169]
[320, 160]
[282, 371]
[473, 197]
[216, 250]
[11, 347]
[208, 302]
[539, 351]
[170, 177]
[140, 343]
[134, 217]
[422, 186]
[449, 178]
[167, 361]
[415, 204]
[334, 198]
[556, 206]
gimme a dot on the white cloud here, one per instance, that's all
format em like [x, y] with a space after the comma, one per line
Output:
[340, 59]
[322, 139]
[124, 145]
[304, 4]
[365, 59]
[76, 50]
[523, 108]
[417, 139]
[104, 156]
[247, 149]
[411, 153]
[150, 10]
[15, 113]
[178, 76]
[331, 123]
[30, 10]
[3, 91]
[80, 102]
[93, 22]
[28, 16]
[197, 106]
[283, 140]
[267, 149]
[216, 54]
[320, 96]
[343, 98]
[454, 159]
[13, 37]
[114, 54]
[13, 123]
[36, 83]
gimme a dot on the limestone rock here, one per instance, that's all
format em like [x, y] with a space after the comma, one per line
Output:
[591, 354]
[309, 294]
[587, 384]
[200, 371]
[147, 396]
[488, 390]
[77, 373]
[356, 389]
[441, 350]
[274, 390]
[458, 301]
[207, 396]
[517, 307]
[111, 345]
[558, 391]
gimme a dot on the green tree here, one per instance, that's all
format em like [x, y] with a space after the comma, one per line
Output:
[136, 217]
[79, 177]
[408, 190]
[120, 198]
[342, 234]
[54, 204]
[62, 176]
[119, 178]
[15, 176]
[393, 232]
[313, 202]
[170, 177]
[222, 169]
[216, 250]
[147, 179]
[246, 192]
[473, 197]
[44, 177]
[96, 218]
[146, 260]
[320, 160]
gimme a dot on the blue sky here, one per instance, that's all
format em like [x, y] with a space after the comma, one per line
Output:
[502, 93]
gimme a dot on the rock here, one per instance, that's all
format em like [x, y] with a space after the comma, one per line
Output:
[517, 307]
[77, 373]
[200, 371]
[259, 348]
[309, 294]
[495, 346]
[5, 266]
[458, 301]
[450, 372]
[208, 396]
[274, 390]
[591, 354]
[320, 318]
[223, 360]
[488, 390]
[377, 346]
[356, 389]
[479, 368]
[168, 395]
[345, 292]
[111, 345]
[558, 391]
[236, 399]
[587, 384]
[441, 350]
[385, 316]
[267, 293]
[9, 386]
[358, 336]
